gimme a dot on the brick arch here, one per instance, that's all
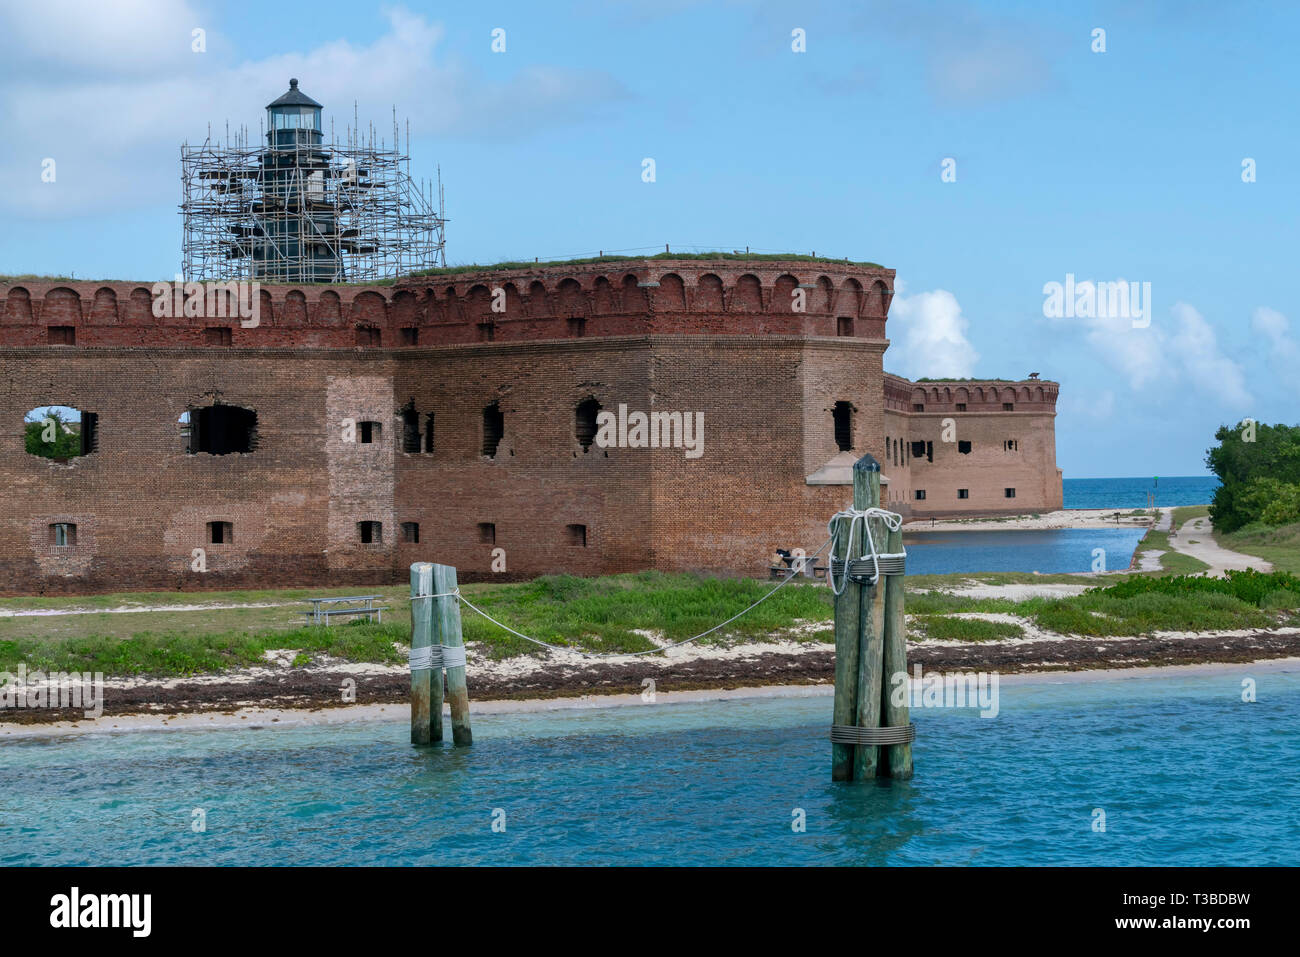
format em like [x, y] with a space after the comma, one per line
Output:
[266, 314]
[451, 306]
[368, 309]
[329, 309]
[514, 300]
[406, 308]
[539, 306]
[1038, 394]
[876, 301]
[569, 297]
[671, 294]
[103, 308]
[478, 303]
[848, 302]
[634, 297]
[294, 310]
[819, 299]
[708, 293]
[747, 295]
[962, 394]
[62, 306]
[138, 308]
[918, 395]
[603, 298]
[783, 294]
[18, 305]
[1024, 393]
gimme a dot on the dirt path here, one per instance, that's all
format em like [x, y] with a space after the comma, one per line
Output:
[1196, 539]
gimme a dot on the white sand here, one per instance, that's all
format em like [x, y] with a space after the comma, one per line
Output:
[1064, 518]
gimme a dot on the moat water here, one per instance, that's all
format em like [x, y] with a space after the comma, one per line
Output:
[1186, 774]
[1049, 551]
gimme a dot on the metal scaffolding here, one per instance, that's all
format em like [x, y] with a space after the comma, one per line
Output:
[298, 210]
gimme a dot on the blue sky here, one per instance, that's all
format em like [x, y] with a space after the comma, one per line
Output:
[1123, 164]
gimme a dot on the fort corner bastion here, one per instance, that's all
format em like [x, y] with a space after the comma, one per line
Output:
[490, 419]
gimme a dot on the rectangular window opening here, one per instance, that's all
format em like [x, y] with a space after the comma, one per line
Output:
[411, 532]
[368, 336]
[1009, 492]
[963, 447]
[577, 327]
[576, 535]
[63, 335]
[963, 493]
[217, 336]
[63, 534]
[221, 533]
[487, 533]
[844, 326]
[920, 495]
[372, 533]
[410, 335]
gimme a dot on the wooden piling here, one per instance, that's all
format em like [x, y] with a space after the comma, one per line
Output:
[848, 613]
[426, 684]
[447, 632]
[871, 622]
[896, 759]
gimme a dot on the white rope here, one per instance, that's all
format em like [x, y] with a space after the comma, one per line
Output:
[436, 657]
[860, 516]
[794, 570]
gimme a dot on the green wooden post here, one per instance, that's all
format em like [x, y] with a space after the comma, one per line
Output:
[426, 684]
[848, 614]
[447, 630]
[898, 760]
[866, 494]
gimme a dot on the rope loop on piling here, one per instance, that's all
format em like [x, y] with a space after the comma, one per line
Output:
[857, 523]
[849, 734]
[433, 657]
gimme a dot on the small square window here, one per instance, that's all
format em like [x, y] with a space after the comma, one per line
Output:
[487, 331]
[844, 326]
[918, 406]
[368, 336]
[576, 535]
[63, 534]
[410, 336]
[221, 533]
[1008, 407]
[369, 432]
[963, 446]
[961, 406]
[920, 495]
[487, 533]
[963, 493]
[372, 533]
[577, 327]
[63, 335]
[411, 532]
[217, 336]
[1009, 492]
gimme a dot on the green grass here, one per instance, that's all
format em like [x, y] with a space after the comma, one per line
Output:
[1279, 545]
[1171, 562]
[1185, 513]
[616, 613]
[944, 628]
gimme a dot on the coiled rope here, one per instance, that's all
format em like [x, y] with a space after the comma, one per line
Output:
[857, 518]
[794, 570]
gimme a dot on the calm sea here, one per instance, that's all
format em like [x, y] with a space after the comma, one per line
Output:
[1169, 490]
[1188, 775]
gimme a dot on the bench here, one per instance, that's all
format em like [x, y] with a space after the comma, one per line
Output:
[321, 612]
[787, 565]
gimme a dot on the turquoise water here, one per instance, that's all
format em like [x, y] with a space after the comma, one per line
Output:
[1018, 550]
[1169, 490]
[1186, 773]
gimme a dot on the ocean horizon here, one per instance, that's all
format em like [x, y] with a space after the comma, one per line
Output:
[1168, 490]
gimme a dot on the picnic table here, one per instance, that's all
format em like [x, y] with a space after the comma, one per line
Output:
[787, 564]
[322, 610]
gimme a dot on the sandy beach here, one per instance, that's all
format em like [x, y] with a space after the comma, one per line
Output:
[1063, 518]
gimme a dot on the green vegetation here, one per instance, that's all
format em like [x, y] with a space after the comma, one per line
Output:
[1171, 562]
[1259, 466]
[617, 613]
[942, 628]
[1279, 546]
[589, 260]
[1185, 513]
[52, 439]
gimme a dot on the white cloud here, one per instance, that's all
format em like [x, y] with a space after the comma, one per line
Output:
[1184, 356]
[112, 106]
[928, 336]
[1204, 364]
[1283, 351]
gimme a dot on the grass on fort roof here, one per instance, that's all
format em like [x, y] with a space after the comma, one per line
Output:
[512, 265]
